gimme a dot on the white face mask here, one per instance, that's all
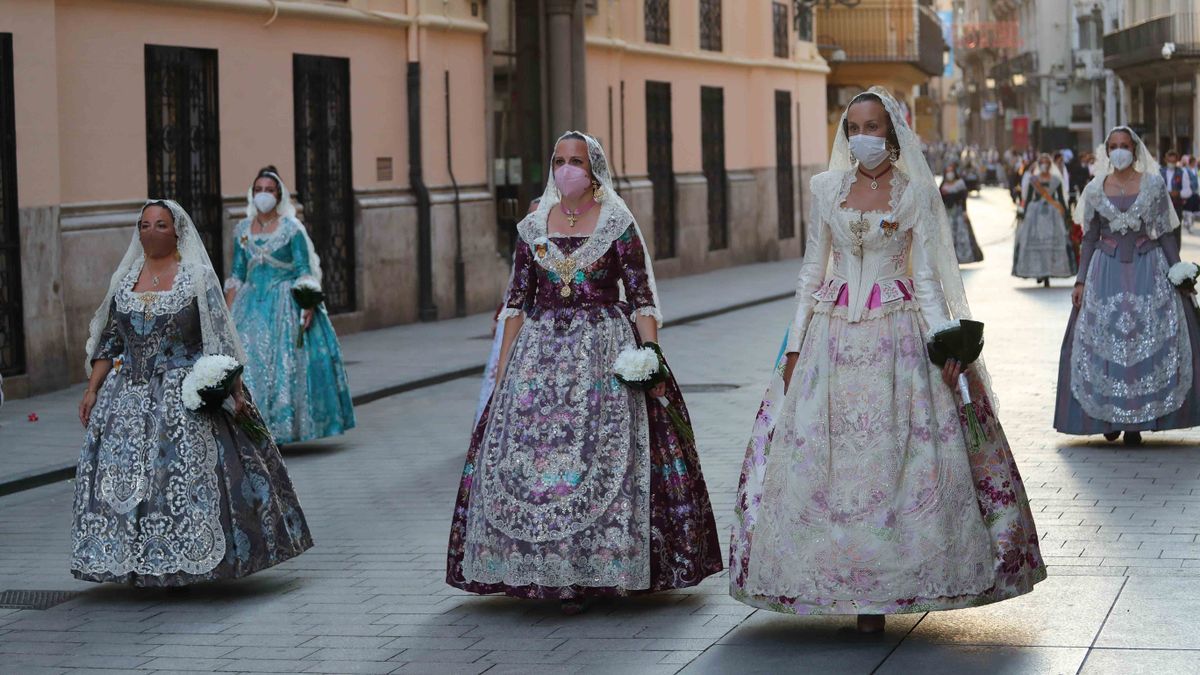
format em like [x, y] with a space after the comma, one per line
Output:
[1121, 158]
[869, 150]
[264, 202]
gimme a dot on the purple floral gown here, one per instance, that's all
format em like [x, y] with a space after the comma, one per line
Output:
[575, 485]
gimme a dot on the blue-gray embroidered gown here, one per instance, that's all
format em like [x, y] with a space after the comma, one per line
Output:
[165, 496]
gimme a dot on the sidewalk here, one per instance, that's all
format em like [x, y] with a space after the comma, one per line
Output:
[379, 363]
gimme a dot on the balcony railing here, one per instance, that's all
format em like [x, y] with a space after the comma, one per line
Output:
[1024, 64]
[901, 33]
[997, 36]
[1143, 43]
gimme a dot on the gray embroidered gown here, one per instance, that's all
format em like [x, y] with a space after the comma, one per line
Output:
[165, 496]
[1129, 358]
[1043, 243]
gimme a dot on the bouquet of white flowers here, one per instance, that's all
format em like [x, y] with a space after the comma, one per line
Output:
[211, 381]
[1183, 275]
[308, 294]
[644, 368]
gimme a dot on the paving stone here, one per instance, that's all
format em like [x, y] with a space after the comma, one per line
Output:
[378, 501]
[1124, 661]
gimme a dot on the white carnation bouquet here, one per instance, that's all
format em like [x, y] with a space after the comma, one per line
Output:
[308, 294]
[644, 368]
[1183, 275]
[210, 382]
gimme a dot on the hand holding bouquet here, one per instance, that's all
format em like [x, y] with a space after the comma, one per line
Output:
[212, 380]
[1182, 275]
[961, 341]
[644, 368]
[308, 295]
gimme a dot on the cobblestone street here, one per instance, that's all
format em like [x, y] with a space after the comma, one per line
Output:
[1119, 531]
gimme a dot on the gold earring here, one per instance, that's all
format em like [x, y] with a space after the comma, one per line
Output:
[598, 193]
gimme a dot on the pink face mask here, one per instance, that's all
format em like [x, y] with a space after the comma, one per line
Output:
[571, 180]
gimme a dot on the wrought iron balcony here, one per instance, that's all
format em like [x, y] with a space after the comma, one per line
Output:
[1144, 43]
[900, 32]
[998, 37]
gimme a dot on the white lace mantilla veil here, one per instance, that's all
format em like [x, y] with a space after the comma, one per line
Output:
[920, 204]
[216, 325]
[615, 218]
[1143, 162]
[286, 209]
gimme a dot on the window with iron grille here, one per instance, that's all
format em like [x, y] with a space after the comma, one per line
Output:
[785, 181]
[183, 140]
[712, 144]
[321, 91]
[12, 314]
[710, 25]
[658, 21]
[779, 15]
[803, 12]
[661, 166]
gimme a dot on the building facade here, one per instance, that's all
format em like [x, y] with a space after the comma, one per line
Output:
[898, 44]
[414, 133]
[1153, 46]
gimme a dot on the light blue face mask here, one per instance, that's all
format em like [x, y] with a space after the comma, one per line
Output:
[265, 202]
[869, 150]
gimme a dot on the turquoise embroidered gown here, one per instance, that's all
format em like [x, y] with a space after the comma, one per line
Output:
[301, 391]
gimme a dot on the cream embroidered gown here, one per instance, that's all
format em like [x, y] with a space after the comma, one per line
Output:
[858, 494]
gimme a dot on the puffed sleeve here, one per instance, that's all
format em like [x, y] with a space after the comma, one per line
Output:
[631, 252]
[110, 344]
[927, 285]
[812, 273]
[522, 284]
[237, 275]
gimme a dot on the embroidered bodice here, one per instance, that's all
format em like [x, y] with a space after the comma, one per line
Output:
[152, 332]
[1122, 244]
[867, 259]
[275, 257]
[560, 275]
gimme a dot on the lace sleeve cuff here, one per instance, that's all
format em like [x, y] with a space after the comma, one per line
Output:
[648, 310]
[508, 313]
[232, 284]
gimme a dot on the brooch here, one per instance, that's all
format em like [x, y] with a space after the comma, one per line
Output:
[889, 228]
[541, 247]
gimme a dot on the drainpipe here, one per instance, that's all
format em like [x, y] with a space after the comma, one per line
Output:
[426, 308]
[460, 267]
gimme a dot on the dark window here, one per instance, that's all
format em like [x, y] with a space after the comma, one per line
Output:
[12, 316]
[183, 138]
[804, 20]
[779, 16]
[661, 166]
[785, 182]
[710, 25]
[658, 21]
[321, 87]
[712, 145]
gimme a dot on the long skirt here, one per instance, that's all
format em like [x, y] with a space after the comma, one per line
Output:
[624, 506]
[1043, 247]
[168, 497]
[301, 389]
[1131, 360]
[859, 493]
[966, 249]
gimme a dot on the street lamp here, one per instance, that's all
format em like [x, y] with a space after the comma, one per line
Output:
[1018, 80]
[991, 83]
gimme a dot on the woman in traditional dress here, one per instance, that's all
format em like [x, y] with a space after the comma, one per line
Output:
[1043, 246]
[295, 371]
[165, 496]
[954, 197]
[1131, 355]
[576, 486]
[859, 493]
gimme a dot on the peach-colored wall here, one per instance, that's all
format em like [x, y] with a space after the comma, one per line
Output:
[463, 55]
[745, 68]
[101, 74]
[31, 23]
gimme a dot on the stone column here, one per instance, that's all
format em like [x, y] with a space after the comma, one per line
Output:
[564, 68]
